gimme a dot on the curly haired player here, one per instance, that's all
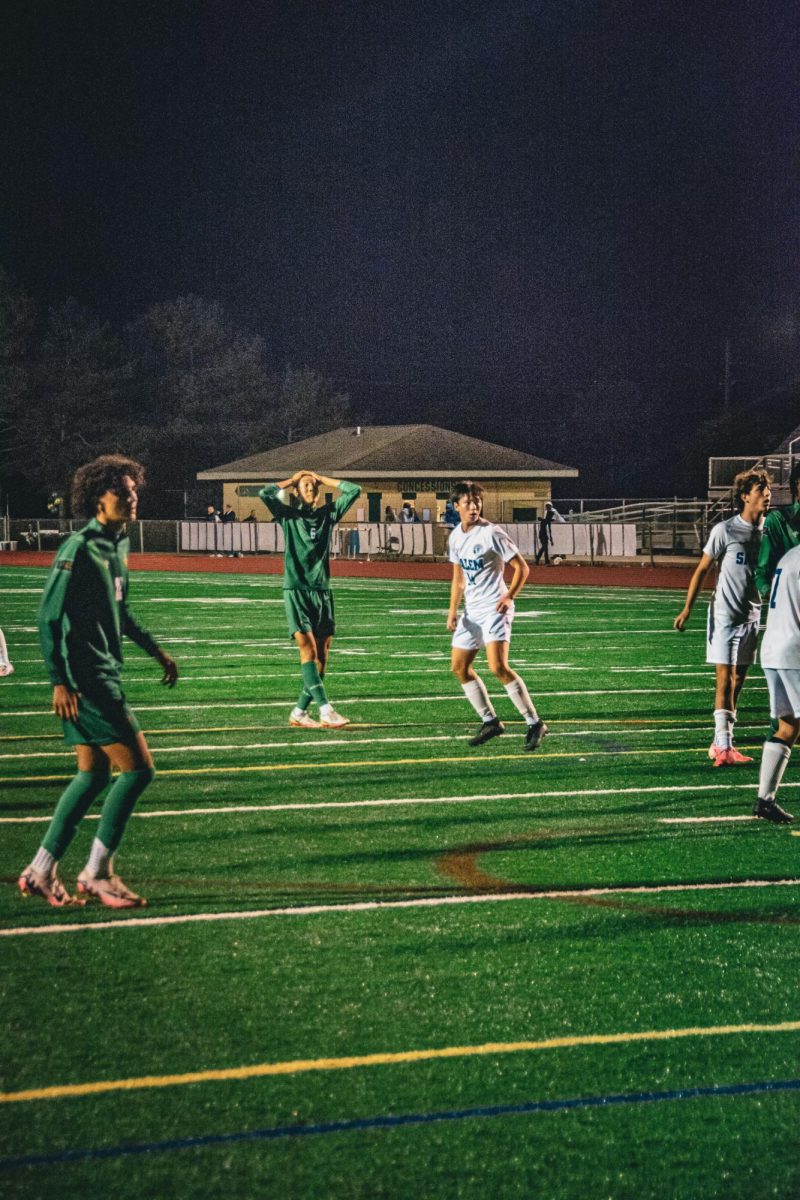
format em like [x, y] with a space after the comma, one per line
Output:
[82, 617]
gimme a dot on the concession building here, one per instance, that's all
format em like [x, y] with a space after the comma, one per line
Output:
[395, 464]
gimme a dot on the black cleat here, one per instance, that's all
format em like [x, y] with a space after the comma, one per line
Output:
[535, 735]
[488, 730]
[769, 810]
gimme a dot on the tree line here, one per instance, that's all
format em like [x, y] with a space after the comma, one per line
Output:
[180, 388]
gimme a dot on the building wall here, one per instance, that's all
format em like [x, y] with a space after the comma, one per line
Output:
[503, 498]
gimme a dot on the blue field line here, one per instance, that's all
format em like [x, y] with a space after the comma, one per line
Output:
[391, 1122]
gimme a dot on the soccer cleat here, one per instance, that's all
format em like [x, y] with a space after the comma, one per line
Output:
[770, 810]
[488, 730]
[333, 720]
[33, 883]
[110, 891]
[535, 735]
[6, 669]
[303, 722]
[712, 750]
[722, 758]
[736, 756]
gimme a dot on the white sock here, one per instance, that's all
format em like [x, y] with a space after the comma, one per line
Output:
[774, 760]
[4, 660]
[44, 863]
[722, 729]
[297, 713]
[519, 697]
[99, 864]
[478, 697]
[325, 710]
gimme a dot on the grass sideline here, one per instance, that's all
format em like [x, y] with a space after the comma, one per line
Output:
[500, 972]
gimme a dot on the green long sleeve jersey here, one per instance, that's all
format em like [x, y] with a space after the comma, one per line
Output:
[307, 535]
[781, 533]
[84, 609]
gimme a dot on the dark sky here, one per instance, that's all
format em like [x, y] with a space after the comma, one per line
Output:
[447, 207]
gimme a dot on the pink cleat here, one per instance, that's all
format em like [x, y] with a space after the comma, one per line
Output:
[303, 722]
[33, 883]
[735, 756]
[722, 758]
[333, 720]
[110, 891]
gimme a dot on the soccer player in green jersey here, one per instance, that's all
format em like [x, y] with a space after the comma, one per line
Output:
[82, 617]
[780, 534]
[308, 600]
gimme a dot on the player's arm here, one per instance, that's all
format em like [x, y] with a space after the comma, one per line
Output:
[769, 554]
[456, 592]
[521, 573]
[139, 635]
[348, 494]
[52, 619]
[695, 584]
[269, 495]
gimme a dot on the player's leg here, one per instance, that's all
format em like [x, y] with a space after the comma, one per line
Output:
[784, 695]
[40, 877]
[462, 657]
[517, 692]
[313, 688]
[134, 762]
[5, 662]
[329, 718]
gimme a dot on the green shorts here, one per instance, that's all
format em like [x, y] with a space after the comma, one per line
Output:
[309, 612]
[103, 718]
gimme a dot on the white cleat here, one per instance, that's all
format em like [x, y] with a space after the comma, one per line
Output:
[333, 720]
[6, 669]
[303, 721]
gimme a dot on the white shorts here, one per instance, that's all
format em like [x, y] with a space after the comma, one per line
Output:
[784, 691]
[732, 645]
[475, 631]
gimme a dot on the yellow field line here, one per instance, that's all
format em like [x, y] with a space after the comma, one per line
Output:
[298, 1066]
[352, 763]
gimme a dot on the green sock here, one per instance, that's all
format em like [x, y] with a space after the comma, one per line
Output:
[126, 790]
[312, 681]
[72, 807]
[305, 700]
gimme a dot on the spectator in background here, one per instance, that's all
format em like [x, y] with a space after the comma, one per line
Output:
[545, 534]
[450, 517]
[212, 514]
[229, 515]
[406, 514]
[389, 515]
[251, 516]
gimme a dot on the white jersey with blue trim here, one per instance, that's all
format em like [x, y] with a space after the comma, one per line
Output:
[780, 648]
[735, 543]
[482, 552]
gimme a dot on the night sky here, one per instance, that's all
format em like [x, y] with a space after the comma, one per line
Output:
[455, 210]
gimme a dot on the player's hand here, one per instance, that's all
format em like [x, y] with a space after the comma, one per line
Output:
[680, 621]
[452, 621]
[170, 676]
[505, 603]
[65, 703]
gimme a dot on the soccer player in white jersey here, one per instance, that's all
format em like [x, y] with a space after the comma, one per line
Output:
[733, 614]
[780, 658]
[479, 552]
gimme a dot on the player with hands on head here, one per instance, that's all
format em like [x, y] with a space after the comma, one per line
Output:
[308, 600]
[734, 611]
[480, 552]
[82, 618]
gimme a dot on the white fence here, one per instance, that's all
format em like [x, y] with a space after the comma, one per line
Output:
[407, 541]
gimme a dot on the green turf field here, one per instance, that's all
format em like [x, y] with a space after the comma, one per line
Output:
[380, 963]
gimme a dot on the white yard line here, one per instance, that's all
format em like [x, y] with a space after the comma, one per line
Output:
[310, 910]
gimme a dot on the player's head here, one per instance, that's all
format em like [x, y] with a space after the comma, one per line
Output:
[307, 489]
[467, 499]
[794, 481]
[752, 489]
[107, 485]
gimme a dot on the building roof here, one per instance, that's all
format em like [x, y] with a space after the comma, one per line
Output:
[363, 451]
